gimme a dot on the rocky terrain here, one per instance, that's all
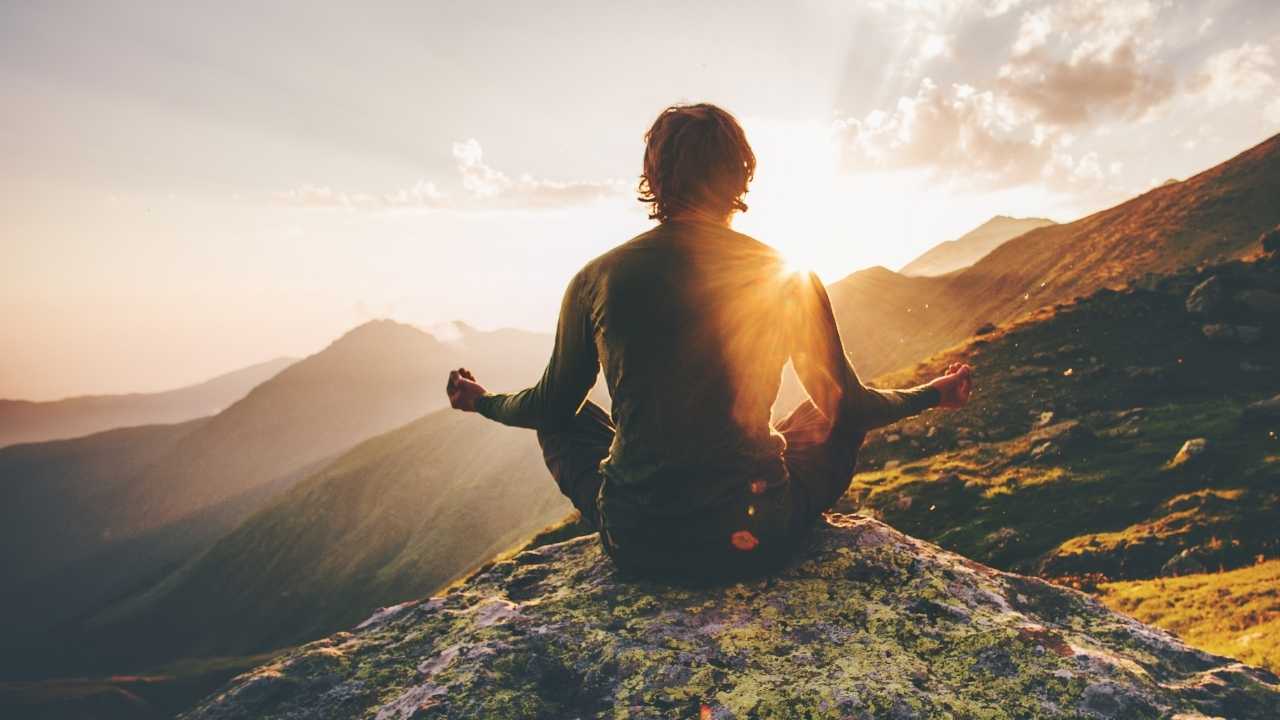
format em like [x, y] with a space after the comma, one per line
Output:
[866, 622]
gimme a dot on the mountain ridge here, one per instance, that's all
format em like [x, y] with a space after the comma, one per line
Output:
[28, 421]
[952, 255]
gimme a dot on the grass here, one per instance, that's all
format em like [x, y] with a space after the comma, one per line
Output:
[1235, 613]
[1087, 496]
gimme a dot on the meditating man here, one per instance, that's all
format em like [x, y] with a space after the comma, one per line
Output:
[693, 324]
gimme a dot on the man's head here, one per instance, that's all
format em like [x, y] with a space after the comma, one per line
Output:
[697, 164]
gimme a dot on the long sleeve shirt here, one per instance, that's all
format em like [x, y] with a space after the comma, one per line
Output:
[693, 324]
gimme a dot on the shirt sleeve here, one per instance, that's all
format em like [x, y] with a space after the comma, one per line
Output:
[569, 375]
[834, 386]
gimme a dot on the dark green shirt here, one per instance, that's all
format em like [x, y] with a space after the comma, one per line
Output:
[693, 324]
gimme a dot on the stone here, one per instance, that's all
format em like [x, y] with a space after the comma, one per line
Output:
[1207, 298]
[1068, 433]
[1263, 410]
[1191, 449]
[1186, 562]
[891, 465]
[1044, 419]
[866, 622]
[985, 329]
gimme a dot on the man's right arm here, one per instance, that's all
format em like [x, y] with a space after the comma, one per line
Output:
[833, 385]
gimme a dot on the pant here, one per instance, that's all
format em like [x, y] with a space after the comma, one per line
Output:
[820, 457]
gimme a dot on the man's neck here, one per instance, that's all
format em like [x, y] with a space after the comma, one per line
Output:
[706, 218]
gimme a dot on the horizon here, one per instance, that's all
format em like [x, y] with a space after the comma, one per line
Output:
[193, 191]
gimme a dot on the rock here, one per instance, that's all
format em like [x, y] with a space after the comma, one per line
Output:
[1185, 562]
[985, 329]
[1220, 333]
[1270, 240]
[1068, 433]
[1207, 298]
[1263, 410]
[1044, 419]
[1191, 449]
[891, 465]
[866, 623]
[1045, 450]
[892, 437]
[1262, 302]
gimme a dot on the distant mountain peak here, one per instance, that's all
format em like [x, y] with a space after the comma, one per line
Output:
[971, 247]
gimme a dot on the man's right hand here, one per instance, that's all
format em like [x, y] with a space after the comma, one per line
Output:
[463, 390]
[954, 386]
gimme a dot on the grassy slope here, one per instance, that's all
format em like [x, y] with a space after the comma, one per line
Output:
[393, 519]
[1128, 377]
[1235, 613]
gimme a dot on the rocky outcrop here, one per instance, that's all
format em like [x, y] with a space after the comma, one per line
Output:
[867, 623]
[1207, 298]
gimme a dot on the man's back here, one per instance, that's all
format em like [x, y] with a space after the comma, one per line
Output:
[689, 325]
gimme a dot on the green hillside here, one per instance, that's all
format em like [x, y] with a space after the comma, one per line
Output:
[395, 518]
[1234, 613]
[1063, 465]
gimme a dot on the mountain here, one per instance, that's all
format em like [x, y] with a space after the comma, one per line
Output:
[964, 251]
[83, 521]
[867, 622]
[890, 321]
[396, 517]
[23, 421]
[1126, 436]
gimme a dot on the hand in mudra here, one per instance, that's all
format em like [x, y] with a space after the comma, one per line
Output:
[463, 390]
[954, 385]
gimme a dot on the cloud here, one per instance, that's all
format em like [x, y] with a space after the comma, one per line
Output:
[483, 188]
[956, 131]
[1076, 62]
[483, 182]
[1070, 67]
[1241, 74]
[423, 195]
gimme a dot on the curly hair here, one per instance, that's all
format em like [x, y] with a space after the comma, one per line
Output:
[696, 160]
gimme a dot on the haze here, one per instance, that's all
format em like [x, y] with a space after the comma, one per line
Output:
[187, 190]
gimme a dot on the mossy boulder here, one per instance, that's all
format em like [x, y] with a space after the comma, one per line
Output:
[866, 623]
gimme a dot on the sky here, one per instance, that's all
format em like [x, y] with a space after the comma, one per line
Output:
[189, 188]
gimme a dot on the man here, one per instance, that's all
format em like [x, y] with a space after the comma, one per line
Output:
[693, 324]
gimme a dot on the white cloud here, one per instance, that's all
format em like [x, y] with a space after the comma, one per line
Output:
[486, 183]
[484, 188]
[956, 131]
[1240, 74]
[1075, 62]
[1071, 66]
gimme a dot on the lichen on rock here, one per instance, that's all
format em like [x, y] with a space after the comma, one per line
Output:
[866, 623]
